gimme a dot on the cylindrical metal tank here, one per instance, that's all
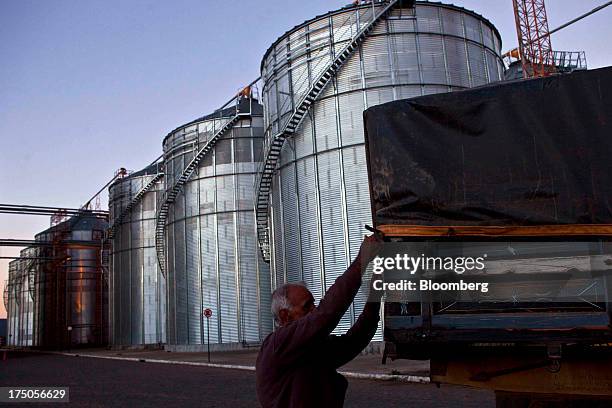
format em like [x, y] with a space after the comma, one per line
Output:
[25, 299]
[70, 290]
[320, 197]
[213, 260]
[137, 287]
[12, 308]
[20, 302]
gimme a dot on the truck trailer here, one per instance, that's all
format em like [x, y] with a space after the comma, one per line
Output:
[518, 175]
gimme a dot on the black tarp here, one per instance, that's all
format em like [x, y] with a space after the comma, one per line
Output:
[534, 152]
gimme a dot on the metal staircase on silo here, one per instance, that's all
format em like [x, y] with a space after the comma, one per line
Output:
[31, 275]
[273, 149]
[128, 209]
[112, 230]
[17, 289]
[170, 195]
[5, 294]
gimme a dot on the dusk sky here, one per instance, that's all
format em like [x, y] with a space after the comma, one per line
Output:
[87, 87]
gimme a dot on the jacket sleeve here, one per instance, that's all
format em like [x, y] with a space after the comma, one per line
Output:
[343, 349]
[291, 342]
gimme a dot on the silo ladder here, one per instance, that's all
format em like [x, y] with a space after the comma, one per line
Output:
[112, 230]
[169, 196]
[272, 151]
[31, 273]
[5, 295]
[110, 233]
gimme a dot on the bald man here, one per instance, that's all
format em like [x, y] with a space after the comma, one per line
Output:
[296, 365]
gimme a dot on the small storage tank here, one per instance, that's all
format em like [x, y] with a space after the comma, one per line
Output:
[319, 201]
[137, 287]
[70, 290]
[212, 256]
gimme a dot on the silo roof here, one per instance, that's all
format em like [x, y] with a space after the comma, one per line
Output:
[150, 170]
[349, 6]
[83, 222]
[224, 113]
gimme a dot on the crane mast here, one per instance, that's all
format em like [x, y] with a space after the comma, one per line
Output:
[535, 48]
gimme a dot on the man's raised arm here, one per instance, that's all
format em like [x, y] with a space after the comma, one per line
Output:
[295, 338]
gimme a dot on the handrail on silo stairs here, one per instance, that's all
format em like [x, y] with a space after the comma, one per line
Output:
[5, 294]
[170, 195]
[272, 151]
[128, 209]
[31, 273]
[110, 232]
[17, 288]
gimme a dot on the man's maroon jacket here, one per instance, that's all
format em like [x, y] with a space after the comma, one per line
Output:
[297, 363]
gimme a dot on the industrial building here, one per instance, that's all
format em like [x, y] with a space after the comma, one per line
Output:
[55, 296]
[269, 189]
[69, 295]
[210, 236]
[19, 299]
[136, 286]
[11, 306]
[313, 223]
[183, 233]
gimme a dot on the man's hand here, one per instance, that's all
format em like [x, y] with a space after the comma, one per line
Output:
[370, 247]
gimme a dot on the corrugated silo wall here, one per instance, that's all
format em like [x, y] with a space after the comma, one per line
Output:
[137, 288]
[12, 310]
[213, 260]
[320, 196]
[25, 297]
[70, 288]
[20, 304]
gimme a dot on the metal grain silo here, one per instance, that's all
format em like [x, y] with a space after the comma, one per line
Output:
[19, 300]
[10, 304]
[70, 292]
[24, 292]
[318, 78]
[206, 230]
[137, 289]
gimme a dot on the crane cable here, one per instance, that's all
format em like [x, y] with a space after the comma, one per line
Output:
[569, 23]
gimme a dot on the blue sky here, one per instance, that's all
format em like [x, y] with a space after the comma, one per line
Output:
[87, 87]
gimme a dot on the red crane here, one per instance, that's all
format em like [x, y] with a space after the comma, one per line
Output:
[535, 48]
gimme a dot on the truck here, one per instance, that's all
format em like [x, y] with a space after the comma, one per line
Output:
[518, 174]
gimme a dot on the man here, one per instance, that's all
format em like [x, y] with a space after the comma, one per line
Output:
[296, 365]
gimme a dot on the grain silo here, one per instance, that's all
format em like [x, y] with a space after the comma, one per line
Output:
[318, 78]
[206, 236]
[27, 266]
[70, 293]
[137, 289]
[10, 304]
[19, 298]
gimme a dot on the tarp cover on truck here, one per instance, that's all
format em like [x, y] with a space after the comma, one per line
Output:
[534, 152]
